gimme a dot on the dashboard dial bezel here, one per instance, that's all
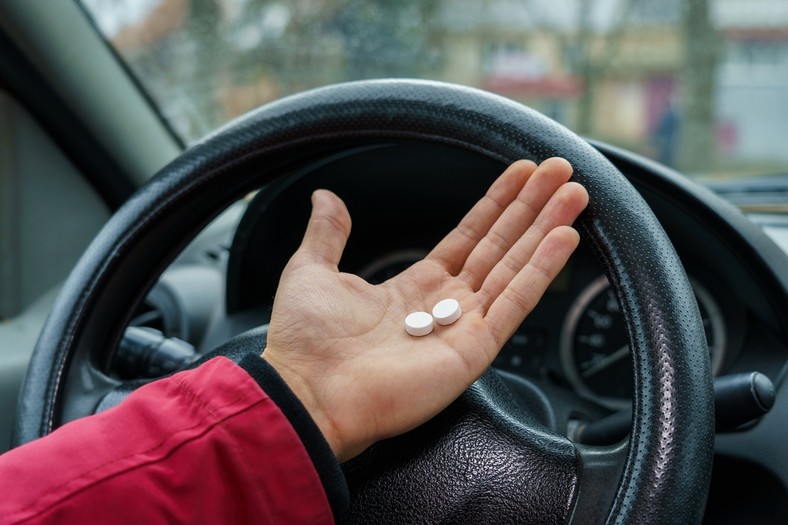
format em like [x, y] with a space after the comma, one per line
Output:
[580, 306]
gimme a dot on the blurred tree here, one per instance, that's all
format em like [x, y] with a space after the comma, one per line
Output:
[385, 38]
[701, 47]
[324, 41]
[590, 65]
[202, 30]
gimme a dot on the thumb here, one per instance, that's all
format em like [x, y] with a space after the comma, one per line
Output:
[327, 230]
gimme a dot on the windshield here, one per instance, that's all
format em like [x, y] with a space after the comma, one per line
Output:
[700, 85]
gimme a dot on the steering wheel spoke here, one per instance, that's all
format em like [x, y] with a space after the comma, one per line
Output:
[483, 456]
[600, 468]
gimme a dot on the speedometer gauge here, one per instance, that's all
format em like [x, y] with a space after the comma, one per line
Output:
[595, 346]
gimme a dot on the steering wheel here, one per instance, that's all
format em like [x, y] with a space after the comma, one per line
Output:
[484, 459]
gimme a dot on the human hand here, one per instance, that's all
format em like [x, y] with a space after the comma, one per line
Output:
[340, 342]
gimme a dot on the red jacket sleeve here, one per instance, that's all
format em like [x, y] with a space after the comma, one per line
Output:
[203, 446]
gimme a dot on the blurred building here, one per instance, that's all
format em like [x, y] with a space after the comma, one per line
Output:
[752, 84]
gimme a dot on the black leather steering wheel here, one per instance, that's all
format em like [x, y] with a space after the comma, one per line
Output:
[483, 459]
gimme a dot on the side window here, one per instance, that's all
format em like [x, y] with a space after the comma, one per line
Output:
[48, 212]
[48, 215]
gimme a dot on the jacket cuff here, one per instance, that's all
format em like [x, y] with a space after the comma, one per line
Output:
[317, 447]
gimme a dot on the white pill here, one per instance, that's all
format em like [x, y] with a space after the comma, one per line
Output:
[418, 323]
[447, 311]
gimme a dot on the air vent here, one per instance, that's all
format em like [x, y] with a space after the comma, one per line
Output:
[149, 315]
[160, 311]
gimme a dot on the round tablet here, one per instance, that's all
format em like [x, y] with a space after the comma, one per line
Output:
[418, 323]
[447, 311]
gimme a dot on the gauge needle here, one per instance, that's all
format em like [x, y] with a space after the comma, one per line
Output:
[607, 361]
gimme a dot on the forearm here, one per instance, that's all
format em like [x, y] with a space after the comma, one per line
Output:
[207, 445]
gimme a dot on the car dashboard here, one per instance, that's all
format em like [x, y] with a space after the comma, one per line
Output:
[404, 197]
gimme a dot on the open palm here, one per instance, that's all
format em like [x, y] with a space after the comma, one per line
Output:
[340, 342]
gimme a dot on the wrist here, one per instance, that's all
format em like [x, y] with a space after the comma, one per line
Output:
[302, 391]
[315, 444]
